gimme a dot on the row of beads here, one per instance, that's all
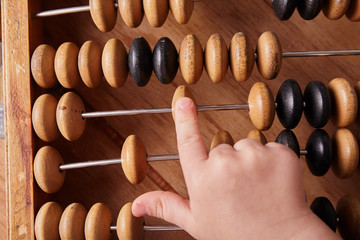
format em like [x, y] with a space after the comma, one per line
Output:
[309, 9]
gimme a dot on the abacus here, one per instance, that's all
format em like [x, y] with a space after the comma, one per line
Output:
[103, 138]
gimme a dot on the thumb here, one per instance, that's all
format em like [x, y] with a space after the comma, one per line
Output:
[165, 205]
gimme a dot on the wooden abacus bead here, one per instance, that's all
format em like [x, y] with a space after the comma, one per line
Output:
[98, 222]
[269, 55]
[129, 227]
[348, 212]
[309, 9]
[165, 60]
[41, 68]
[72, 222]
[89, 63]
[284, 8]
[261, 106]
[66, 67]
[46, 169]
[288, 139]
[181, 91]
[131, 12]
[353, 11]
[103, 13]
[191, 59]
[345, 153]
[221, 137]
[317, 101]
[47, 221]
[344, 102]
[318, 156]
[323, 208]
[258, 136]
[181, 10]
[357, 90]
[68, 116]
[289, 101]
[216, 58]
[241, 57]
[114, 63]
[140, 61]
[156, 11]
[44, 118]
[335, 9]
[134, 161]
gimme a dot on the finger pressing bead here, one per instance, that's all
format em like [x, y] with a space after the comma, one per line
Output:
[258, 136]
[269, 55]
[68, 116]
[261, 106]
[181, 10]
[335, 9]
[181, 91]
[345, 155]
[348, 212]
[221, 137]
[98, 222]
[131, 12]
[66, 67]
[165, 60]
[284, 8]
[42, 68]
[288, 139]
[156, 11]
[127, 226]
[216, 58]
[44, 118]
[191, 59]
[309, 9]
[47, 221]
[114, 63]
[353, 11]
[89, 63]
[323, 208]
[140, 61]
[72, 222]
[103, 13]
[241, 57]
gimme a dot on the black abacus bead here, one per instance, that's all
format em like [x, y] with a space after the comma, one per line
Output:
[289, 104]
[140, 61]
[323, 208]
[317, 108]
[318, 156]
[165, 60]
[309, 9]
[284, 8]
[288, 138]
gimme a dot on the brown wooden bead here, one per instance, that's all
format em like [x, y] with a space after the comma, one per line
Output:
[353, 11]
[68, 116]
[44, 118]
[103, 13]
[258, 136]
[344, 102]
[220, 138]
[134, 161]
[156, 11]
[191, 59]
[335, 9]
[216, 58]
[129, 227]
[114, 63]
[181, 91]
[66, 67]
[357, 90]
[41, 68]
[348, 212]
[47, 221]
[131, 12]
[98, 222]
[72, 222]
[46, 169]
[261, 106]
[345, 153]
[181, 10]
[269, 55]
[241, 57]
[89, 63]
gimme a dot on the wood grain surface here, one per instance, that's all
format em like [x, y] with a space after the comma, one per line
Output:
[103, 138]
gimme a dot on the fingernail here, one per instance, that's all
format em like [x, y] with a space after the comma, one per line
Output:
[139, 210]
[184, 103]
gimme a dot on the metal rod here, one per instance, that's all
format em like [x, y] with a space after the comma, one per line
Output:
[303, 152]
[156, 228]
[161, 110]
[157, 158]
[321, 53]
